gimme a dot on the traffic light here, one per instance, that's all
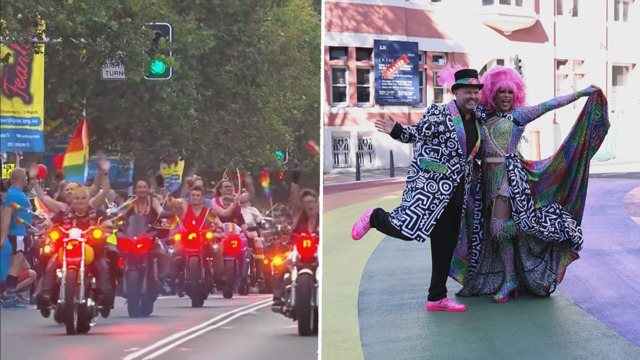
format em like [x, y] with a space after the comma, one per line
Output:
[517, 64]
[159, 68]
[282, 156]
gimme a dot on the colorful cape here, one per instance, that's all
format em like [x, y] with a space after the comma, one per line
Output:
[559, 181]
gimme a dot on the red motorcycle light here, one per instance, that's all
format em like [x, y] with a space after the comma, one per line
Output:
[306, 247]
[177, 237]
[232, 245]
[74, 249]
[277, 261]
[120, 262]
[47, 249]
[208, 235]
[137, 246]
[266, 261]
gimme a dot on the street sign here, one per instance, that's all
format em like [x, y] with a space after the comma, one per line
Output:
[113, 71]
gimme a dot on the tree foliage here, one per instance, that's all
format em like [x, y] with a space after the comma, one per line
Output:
[246, 78]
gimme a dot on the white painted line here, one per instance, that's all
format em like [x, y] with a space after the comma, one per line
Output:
[194, 335]
[176, 336]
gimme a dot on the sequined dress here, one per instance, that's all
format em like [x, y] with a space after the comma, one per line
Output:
[547, 236]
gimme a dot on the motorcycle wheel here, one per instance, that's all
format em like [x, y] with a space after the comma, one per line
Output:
[243, 289]
[132, 290]
[58, 314]
[230, 274]
[304, 310]
[84, 319]
[193, 277]
[146, 308]
[70, 310]
[315, 321]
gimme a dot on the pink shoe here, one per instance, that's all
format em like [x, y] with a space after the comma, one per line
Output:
[446, 305]
[362, 226]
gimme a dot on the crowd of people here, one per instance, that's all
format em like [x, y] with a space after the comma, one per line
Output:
[26, 279]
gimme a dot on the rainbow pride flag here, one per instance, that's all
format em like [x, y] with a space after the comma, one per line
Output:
[77, 155]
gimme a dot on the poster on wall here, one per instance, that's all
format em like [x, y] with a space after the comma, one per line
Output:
[397, 75]
[22, 98]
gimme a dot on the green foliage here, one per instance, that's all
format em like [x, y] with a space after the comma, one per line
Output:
[246, 78]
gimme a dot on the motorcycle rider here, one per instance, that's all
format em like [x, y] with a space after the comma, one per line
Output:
[193, 215]
[83, 216]
[252, 217]
[307, 222]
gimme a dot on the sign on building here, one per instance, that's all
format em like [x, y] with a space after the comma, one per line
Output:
[397, 75]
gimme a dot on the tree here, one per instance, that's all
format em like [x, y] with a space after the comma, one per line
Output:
[235, 96]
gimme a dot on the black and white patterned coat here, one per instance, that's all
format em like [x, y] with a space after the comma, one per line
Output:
[435, 171]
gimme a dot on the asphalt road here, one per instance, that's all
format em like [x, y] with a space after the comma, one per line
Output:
[239, 328]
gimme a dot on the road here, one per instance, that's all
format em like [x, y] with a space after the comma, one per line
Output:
[379, 287]
[239, 328]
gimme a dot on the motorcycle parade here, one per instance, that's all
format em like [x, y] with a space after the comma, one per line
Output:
[173, 247]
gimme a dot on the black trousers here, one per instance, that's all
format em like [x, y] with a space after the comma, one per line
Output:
[444, 239]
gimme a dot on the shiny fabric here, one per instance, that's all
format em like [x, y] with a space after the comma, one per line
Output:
[547, 218]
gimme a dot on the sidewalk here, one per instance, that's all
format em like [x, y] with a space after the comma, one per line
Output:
[348, 176]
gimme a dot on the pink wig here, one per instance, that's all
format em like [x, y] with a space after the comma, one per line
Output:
[446, 76]
[500, 77]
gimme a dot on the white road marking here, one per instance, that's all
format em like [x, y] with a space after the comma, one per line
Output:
[194, 335]
[177, 336]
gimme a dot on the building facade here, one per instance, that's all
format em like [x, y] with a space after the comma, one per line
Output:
[561, 46]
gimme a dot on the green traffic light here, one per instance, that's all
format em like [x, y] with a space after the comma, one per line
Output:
[157, 67]
[279, 155]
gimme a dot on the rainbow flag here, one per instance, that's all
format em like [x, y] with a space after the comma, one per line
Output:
[77, 155]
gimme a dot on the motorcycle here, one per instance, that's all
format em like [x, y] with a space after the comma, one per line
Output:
[199, 252]
[76, 305]
[276, 240]
[136, 243]
[237, 258]
[301, 284]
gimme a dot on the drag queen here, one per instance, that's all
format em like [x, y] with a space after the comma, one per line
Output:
[523, 222]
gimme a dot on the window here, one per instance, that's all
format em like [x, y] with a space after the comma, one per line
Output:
[338, 85]
[619, 75]
[365, 153]
[562, 65]
[421, 81]
[502, 2]
[364, 85]
[621, 11]
[439, 59]
[338, 53]
[364, 54]
[438, 90]
[562, 7]
[340, 152]
[423, 57]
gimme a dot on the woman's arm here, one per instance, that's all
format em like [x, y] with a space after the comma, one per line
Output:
[156, 206]
[53, 205]
[224, 212]
[526, 114]
[99, 199]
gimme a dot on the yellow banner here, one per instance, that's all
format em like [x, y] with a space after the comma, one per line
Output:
[22, 98]
[7, 169]
[172, 174]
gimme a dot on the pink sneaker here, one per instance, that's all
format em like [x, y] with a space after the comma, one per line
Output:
[362, 226]
[446, 305]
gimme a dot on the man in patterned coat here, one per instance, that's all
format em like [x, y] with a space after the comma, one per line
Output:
[438, 180]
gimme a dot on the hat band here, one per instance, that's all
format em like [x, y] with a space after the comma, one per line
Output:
[470, 81]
